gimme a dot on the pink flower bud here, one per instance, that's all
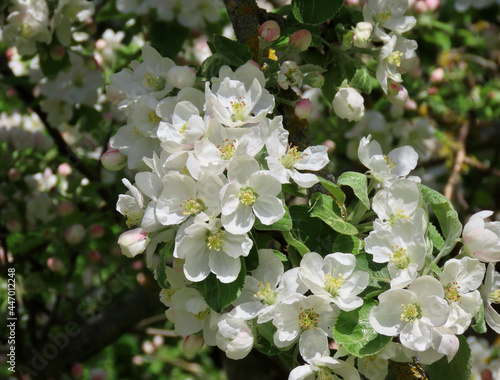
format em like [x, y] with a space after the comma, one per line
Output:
[57, 52]
[96, 231]
[65, 208]
[192, 344]
[158, 341]
[397, 94]
[181, 76]
[95, 256]
[269, 30]
[14, 225]
[411, 105]
[330, 144]
[137, 265]
[113, 160]
[64, 169]
[77, 370]
[75, 234]
[303, 109]
[148, 347]
[54, 264]
[133, 242]
[14, 174]
[437, 75]
[432, 5]
[300, 40]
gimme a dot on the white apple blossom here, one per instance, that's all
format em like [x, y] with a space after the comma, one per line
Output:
[290, 75]
[285, 160]
[460, 280]
[334, 277]
[309, 320]
[266, 288]
[482, 239]
[388, 14]
[131, 205]
[396, 58]
[206, 247]
[403, 248]
[191, 314]
[414, 314]
[183, 197]
[348, 104]
[490, 292]
[69, 11]
[386, 169]
[234, 337]
[250, 193]
[324, 367]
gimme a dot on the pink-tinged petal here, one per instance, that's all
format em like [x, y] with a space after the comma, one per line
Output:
[225, 268]
[268, 209]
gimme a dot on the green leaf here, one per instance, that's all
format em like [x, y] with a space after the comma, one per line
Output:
[20, 243]
[458, 369]
[309, 68]
[348, 244]
[378, 272]
[284, 224]
[354, 332]
[436, 238]
[161, 273]
[315, 11]
[299, 246]
[322, 208]
[218, 295]
[479, 326]
[447, 217]
[50, 67]
[358, 183]
[168, 37]
[211, 66]
[362, 81]
[237, 54]
[333, 189]
[265, 341]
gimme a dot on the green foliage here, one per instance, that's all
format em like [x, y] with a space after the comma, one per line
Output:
[218, 295]
[323, 207]
[168, 38]
[236, 54]
[315, 11]
[458, 369]
[354, 332]
[362, 81]
[358, 183]
[284, 224]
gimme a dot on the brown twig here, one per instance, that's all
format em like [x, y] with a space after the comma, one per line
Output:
[459, 161]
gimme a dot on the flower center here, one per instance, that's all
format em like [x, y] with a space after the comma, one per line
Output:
[333, 284]
[494, 296]
[134, 218]
[400, 214]
[411, 312]
[153, 82]
[192, 206]
[390, 162]
[451, 293]
[26, 31]
[153, 117]
[215, 241]
[247, 196]
[400, 257]
[166, 294]
[383, 16]
[183, 128]
[293, 154]
[308, 318]
[265, 293]
[202, 314]
[227, 149]
[325, 373]
[239, 106]
[395, 58]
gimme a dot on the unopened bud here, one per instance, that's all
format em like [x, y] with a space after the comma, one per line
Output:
[57, 52]
[348, 104]
[55, 264]
[77, 370]
[330, 144]
[303, 109]
[158, 341]
[148, 347]
[397, 94]
[113, 160]
[192, 344]
[362, 34]
[65, 208]
[300, 40]
[64, 170]
[75, 234]
[96, 231]
[95, 256]
[315, 80]
[437, 75]
[347, 40]
[269, 31]
[133, 242]
[14, 174]
[181, 76]
[432, 5]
